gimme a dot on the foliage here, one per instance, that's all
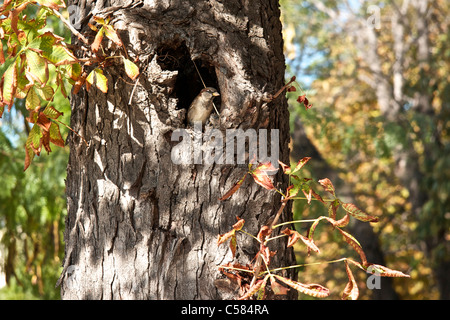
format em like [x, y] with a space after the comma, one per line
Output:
[252, 278]
[32, 52]
[355, 138]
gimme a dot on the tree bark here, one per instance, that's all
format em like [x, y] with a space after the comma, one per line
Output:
[138, 225]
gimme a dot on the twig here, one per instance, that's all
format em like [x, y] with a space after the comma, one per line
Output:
[258, 260]
[204, 85]
[68, 25]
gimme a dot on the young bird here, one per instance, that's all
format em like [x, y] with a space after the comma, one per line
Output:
[201, 107]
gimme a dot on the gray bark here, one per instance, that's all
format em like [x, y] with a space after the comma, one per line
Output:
[139, 226]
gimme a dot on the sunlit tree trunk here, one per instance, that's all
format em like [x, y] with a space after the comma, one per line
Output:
[138, 225]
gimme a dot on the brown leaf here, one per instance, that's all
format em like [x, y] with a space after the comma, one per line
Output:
[277, 288]
[260, 175]
[384, 271]
[259, 285]
[351, 291]
[233, 189]
[355, 245]
[238, 225]
[326, 183]
[294, 236]
[358, 213]
[224, 237]
[315, 290]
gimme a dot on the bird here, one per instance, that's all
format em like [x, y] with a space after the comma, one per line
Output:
[202, 106]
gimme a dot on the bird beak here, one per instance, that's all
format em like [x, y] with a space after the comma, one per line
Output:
[216, 94]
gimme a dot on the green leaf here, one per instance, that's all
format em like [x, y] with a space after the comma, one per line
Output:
[37, 67]
[111, 34]
[52, 113]
[10, 84]
[55, 135]
[131, 69]
[32, 101]
[45, 93]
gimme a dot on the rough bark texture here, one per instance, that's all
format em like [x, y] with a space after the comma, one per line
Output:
[139, 226]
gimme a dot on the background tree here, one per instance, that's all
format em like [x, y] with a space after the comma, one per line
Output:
[382, 113]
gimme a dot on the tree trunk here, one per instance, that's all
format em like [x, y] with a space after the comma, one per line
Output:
[140, 226]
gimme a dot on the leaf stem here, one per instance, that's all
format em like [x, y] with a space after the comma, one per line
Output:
[294, 221]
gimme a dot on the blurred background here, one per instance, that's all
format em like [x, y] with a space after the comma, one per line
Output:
[377, 74]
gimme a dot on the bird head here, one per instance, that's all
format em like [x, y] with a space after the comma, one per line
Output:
[209, 93]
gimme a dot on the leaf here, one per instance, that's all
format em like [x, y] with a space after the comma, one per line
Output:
[60, 55]
[55, 135]
[52, 4]
[112, 35]
[45, 93]
[10, 84]
[358, 213]
[384, 271]
[277, 288]
[37, 67]
[300, 164]
[98, 40]
[238, 225]
[43, 121]
[285, 167]
[315, 290]
[355, 245]
[233, 189]
[294, 236]
[332, 209]
[260, 284]
[260, 175]
[326, 183]
[351, 291]
[224, 237]
[32, 100]
[52, 113]
[32, 145]
[96, 77]
[131, 69]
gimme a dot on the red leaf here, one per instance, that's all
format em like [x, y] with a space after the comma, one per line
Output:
[260, 175]
[291, 89]
[233, 189]
[326, 183]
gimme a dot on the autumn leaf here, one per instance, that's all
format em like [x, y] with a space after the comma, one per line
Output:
[233, 189]
[112, 35]
[358, 213]
[314, 290]
[294, 236]
[355, 245]
[351, 291]
[384, 271]
[131, 69]
[277, 288]
[259, 285]
[326, 183]
[260, 175]
[95, 46]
